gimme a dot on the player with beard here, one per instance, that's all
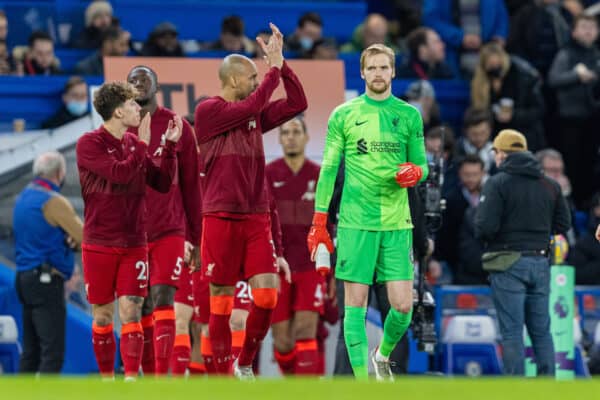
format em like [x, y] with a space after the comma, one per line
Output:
[381, 140]
[292, 181]
[172, 218]
[237, 242]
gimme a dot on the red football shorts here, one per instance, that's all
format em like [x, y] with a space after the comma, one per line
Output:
[110, 271]
[201, 294]
[184, 293]
[237, 249]
[165, 257]
[306, 293]
[243, 296]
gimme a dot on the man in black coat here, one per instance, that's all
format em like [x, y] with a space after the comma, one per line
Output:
[518, 211]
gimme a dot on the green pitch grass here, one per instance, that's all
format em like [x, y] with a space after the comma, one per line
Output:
[406, 388]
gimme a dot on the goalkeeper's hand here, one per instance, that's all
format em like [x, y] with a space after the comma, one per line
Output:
[318, 234]
[408, 175]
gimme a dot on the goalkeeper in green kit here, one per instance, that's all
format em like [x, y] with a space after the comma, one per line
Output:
[381, 139]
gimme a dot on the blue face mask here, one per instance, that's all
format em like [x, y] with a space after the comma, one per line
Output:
[306, 43]
[77, 108]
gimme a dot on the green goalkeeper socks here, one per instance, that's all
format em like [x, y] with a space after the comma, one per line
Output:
[396, 324]
[355, 336]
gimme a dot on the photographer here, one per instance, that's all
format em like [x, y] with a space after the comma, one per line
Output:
[574, 76]
[518, 211]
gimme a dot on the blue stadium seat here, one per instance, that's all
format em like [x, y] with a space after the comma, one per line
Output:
[469, 346]
[10, 349]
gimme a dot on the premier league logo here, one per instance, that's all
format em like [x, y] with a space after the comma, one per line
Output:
[561, 309]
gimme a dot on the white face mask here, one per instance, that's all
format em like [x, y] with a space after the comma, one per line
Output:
[306, 43]
[77, 108]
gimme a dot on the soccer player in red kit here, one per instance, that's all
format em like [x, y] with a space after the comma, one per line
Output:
[292, 181]
[236, 237]
[172, 218]
[114, 169]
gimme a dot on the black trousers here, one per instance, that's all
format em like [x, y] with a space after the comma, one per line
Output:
[44, 319]
[399, 356]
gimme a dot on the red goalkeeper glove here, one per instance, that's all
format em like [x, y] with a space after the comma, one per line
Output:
[408, 175]
[318, 234]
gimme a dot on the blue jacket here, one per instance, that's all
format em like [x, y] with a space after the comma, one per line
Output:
[36, 241]
[441, 16]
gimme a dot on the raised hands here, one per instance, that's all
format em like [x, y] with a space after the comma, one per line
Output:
[144, 129]
[274, 48]
[174, 129]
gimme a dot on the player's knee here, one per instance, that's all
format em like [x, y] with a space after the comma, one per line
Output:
[181, 326]
[403, 306]
[237, 324]
[102, 319]
[305, 331]
[162, 295]
[283, 343]
[265, 297]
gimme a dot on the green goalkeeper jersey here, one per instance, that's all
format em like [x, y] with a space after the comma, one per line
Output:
[373, 137]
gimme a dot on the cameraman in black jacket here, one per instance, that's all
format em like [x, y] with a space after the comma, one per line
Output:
[518, 211]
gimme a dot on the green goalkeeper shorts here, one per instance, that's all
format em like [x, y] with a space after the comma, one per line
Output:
[361, 254]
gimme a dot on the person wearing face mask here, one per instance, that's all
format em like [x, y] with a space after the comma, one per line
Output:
[47, 231]
[308, 31]
[421, 95]
[511, 88]
[75, 104]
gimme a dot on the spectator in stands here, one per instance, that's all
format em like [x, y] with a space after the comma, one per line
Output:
[421, 95]
[75, 104]
[46, 231]
[426, 59]
[98, 18]
[440, 141]
[38, 58]
[477, 129]
[538, 31]
[574, 75]
[585, 256]
[115, 43]
[324, 49]
[511, 88]
[373, 30]
[518, 211]
[6, 64]
[162, 42]
[553, 167]
[232, 37]
[465, 26]
[308, 31]
[458, 199]
[3, 25]
[469, 270]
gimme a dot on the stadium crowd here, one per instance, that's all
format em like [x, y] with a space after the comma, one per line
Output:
[533, 66]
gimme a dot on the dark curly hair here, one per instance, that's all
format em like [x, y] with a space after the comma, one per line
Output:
[112, 95]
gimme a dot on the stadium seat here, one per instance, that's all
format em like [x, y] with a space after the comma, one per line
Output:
[10, 349]
[469, 346]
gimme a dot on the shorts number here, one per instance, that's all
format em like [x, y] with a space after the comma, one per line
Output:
[143, 268]
[244, 290]
[178, 266]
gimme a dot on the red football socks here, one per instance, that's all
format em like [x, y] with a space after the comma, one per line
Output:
[164, 337]
[180, 358]
[237, 341]
[103, 339]
[148, 352]
[132, 345]
[220, 332]
[307, 357]
[257, 326]
[286, 361]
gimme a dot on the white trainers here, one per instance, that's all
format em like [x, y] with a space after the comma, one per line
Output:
[243, 373]
[383, 370]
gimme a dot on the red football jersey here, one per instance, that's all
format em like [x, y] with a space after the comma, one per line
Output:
[178, 212]
[231, 144]
[113, 175]
[294, 195]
